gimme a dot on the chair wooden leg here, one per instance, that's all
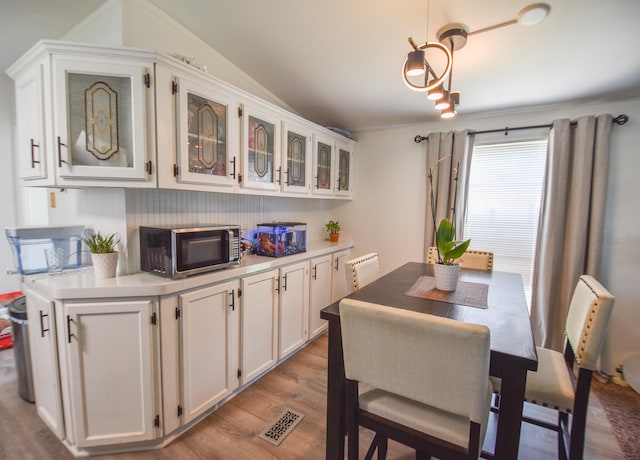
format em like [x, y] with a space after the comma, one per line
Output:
[353, 430]
[379, 443]
[422, 456]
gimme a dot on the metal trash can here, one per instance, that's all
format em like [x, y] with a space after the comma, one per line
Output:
[21, 351]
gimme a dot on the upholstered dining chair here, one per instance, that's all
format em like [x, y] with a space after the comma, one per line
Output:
[477, 260]
[563, 380]
[419, 379]
[362, 270]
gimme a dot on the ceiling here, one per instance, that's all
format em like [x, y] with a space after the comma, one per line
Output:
[338, 62]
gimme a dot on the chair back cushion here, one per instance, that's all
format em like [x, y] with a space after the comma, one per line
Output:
[587, 320]
[436, 361]
[362, 270]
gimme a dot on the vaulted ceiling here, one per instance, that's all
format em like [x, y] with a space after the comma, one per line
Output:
[338, 62]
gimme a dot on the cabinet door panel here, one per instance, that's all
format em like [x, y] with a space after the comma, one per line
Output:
[208, 317]
[259, 318]
[296, 157]
[294, 307]
[44, 361]
[100, 124]
[207, 134]
[339, 286]
[320, 293]
[260, 148]
[344, 164]
[323, 165]
[111, 370]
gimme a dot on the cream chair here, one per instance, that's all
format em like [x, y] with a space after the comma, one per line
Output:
[563, 380]
[477, 260]
[362, 270]
[436, 398]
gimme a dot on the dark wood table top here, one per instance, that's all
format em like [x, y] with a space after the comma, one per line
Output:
[506, 315]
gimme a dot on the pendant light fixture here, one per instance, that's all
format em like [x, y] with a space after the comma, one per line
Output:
[419, 74]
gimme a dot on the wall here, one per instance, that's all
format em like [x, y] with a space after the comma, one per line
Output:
[388, 214]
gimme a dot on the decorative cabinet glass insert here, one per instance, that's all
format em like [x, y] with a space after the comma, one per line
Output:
[101, 127]
[344, 181]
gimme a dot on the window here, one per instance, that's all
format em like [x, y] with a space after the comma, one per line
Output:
[504, 195]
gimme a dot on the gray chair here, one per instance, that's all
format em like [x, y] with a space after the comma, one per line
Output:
[477, 260]
[362, 270]
[563, 380]
[419, 379]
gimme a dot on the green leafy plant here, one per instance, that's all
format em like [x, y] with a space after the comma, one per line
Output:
[449, 249]
[333, 226]
[101, 244]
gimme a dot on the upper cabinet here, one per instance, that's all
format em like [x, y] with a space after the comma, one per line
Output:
[197, 129]
[261, 130]
[85, 116]
[92, 116]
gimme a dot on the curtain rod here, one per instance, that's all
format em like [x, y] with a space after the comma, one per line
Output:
[619, 120]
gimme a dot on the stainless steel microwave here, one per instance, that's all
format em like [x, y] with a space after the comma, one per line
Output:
[179, 252]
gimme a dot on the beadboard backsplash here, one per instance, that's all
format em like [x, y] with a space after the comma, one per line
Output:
[176, 207]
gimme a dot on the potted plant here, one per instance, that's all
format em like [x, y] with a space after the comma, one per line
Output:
[103, 253]
[333, 227]
[445, 271]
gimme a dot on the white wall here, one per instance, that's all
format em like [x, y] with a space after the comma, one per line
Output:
[388, 213]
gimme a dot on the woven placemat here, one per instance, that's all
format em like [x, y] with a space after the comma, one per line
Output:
[466, 293]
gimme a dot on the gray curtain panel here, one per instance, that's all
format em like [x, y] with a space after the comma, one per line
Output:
[571, 221]
[450, 180]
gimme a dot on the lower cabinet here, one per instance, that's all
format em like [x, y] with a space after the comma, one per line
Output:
[209, 343]
[44, 361]
[294, 307]
[339, 286]
[319, 292]
[259, 324]
[109, 348]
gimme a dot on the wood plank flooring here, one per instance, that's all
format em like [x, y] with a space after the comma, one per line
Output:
[232, 431]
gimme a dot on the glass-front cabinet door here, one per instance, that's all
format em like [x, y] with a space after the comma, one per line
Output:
[296, 157]
[260, 148]
[323, 170]
[102, 127]
[207, 133]
[344, 165]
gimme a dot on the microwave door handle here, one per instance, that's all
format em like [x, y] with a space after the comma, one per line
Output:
[230, 240]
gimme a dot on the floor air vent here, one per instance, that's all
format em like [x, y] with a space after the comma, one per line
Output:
[284, 425]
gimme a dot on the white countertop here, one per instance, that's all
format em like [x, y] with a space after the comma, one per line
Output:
[83, 284]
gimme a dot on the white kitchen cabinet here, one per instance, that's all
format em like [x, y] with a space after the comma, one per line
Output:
[198, 130]
[324, 170]
[259, 324]
[210, 346]
[44, 361]
[261, 131]
[339, 286]
[319, 292]
[85, 115]
[344, 168]
[109, 347]
[296, 157]
[294, 307]
[31, 141]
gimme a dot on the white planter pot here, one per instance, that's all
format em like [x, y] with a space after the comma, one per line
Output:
[104, 265]
[446, 276]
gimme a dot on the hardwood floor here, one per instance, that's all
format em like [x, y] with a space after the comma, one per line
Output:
[232, 431]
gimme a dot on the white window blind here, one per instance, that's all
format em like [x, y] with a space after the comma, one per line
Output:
[504, 195]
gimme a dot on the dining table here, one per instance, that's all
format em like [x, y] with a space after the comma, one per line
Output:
[493, 298]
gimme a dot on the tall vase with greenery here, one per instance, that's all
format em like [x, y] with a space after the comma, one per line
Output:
[104, 255]
[446, 271]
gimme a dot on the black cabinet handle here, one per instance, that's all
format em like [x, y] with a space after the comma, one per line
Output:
[315, 272]
[233, 300]
[278, 285]
[284, 282]
[337, 260]
[42, 329]
[33, 155]
[233, 174]
[279, 178]
[69, 334]
[60, 160]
